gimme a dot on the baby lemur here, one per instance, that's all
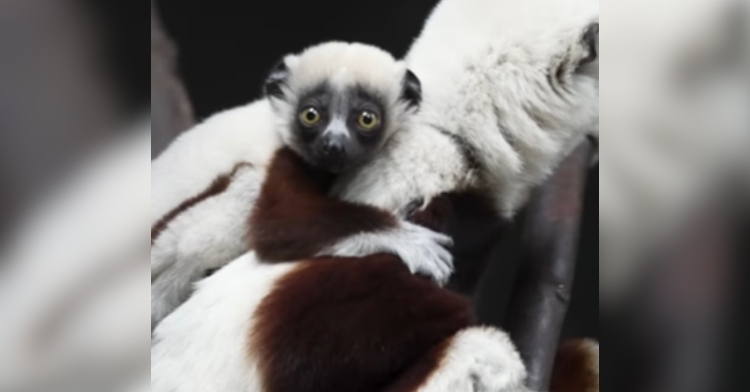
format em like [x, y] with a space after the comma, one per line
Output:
[337, 105]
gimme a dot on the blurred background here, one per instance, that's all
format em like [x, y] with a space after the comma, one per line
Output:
[76, 129]
[71, 75]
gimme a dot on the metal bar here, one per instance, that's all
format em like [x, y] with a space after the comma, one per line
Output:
[548, 262]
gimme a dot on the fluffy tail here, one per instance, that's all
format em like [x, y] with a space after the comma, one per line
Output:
[577, 367]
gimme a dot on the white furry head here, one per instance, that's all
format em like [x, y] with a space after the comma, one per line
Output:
[344, 78]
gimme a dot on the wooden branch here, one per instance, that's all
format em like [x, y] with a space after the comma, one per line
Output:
[171, 111]
[549, 250]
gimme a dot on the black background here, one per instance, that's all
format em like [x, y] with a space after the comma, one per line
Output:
[227, 46]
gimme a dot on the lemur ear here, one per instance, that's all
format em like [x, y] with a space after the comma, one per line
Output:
[591, 42]
[275, 81]
[411, 91]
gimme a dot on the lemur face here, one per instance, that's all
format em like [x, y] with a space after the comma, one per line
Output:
[337, 129]
[340, 102]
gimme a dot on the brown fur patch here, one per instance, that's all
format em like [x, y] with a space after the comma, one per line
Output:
[354, 325]
[219, 185]
[294, 218]
[576, 368]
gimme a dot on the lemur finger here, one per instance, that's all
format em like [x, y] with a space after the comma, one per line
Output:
[445, 267]
[444, 240]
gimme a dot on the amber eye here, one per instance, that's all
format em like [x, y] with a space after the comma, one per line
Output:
[367, 120]
[309, 117]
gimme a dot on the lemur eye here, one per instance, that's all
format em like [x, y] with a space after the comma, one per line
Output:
[309, 117]
[367, 120]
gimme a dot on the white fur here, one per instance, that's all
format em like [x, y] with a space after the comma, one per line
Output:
[421, 249]
[203, 345]
[479, 359]
[204, 237]
[418, 162]
[213, 232]
[212, 148]
[343, 65]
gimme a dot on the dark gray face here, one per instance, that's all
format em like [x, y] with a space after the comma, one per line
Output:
[336, 130]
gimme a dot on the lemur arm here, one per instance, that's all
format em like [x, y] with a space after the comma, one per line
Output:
[295, 218]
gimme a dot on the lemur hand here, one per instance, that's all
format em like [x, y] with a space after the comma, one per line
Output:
[425, 251]
[422, 250]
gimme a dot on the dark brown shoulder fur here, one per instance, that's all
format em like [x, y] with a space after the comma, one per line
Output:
[355, 325]
[294, 218]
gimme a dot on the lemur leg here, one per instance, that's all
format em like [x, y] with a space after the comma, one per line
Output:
[477, 359]
[295, 219]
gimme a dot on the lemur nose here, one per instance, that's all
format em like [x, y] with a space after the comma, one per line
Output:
[333, 147]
